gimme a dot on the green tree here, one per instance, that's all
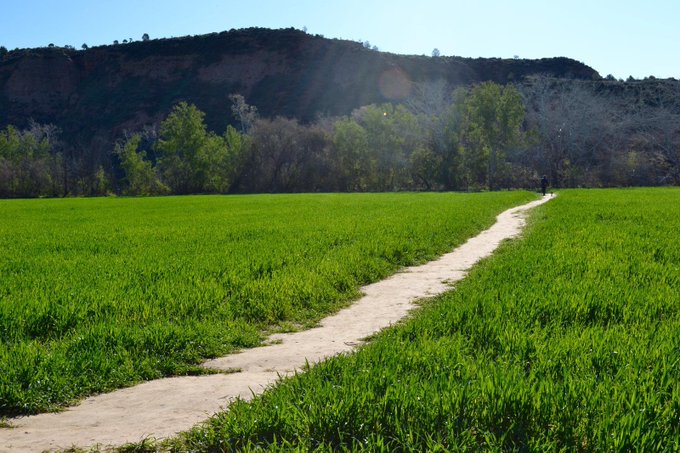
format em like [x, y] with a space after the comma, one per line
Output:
[140, 176]
[27, 161]
[237, 158]
[448, 142]
[181, 151]
[191, 159]
[493, 116]
[219, 163]
[278, 154]
[354, 165]
[101, 182]
[393, 134]
[435, 163]
[426, 166]
[10, 145]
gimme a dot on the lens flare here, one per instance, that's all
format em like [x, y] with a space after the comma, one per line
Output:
[394, 84]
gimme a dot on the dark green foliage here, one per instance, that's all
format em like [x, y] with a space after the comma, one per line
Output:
[29, 163]
[492, 120]
[567, 340]
[140, 176]
[189, 159]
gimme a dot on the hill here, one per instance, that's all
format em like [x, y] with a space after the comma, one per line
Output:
[62, 112]
[96, 93]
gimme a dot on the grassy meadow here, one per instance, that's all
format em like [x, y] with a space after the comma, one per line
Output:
[97, 294]
[565, 340]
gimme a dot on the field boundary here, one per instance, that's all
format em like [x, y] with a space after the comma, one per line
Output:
[162, 408]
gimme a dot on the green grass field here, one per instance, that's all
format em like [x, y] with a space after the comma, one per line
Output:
[565, 340]
[97, 294]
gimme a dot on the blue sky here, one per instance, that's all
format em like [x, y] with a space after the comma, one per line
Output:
[638, 38]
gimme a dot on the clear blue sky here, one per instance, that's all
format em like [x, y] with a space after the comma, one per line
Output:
[624, 37]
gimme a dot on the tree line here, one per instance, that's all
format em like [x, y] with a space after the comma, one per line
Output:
[484, 137]
[430, 144]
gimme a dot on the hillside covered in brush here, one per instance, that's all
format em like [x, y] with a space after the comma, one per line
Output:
[94, 94]
[285, 111]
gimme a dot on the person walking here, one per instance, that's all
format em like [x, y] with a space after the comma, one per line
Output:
[544, 184]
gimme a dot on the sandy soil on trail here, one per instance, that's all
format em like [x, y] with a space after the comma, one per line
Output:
[162, 408]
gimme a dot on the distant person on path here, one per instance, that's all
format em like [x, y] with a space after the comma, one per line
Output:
[544, 184]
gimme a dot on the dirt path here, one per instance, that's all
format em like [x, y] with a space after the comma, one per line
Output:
[164, 407]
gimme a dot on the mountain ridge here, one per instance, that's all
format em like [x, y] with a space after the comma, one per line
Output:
[100, 91]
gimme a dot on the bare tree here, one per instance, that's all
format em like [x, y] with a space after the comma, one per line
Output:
[573, 124]
[246, 114]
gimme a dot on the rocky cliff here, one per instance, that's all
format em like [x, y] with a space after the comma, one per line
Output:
[94, 94]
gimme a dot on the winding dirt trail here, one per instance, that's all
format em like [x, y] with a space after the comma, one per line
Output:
[164, 407]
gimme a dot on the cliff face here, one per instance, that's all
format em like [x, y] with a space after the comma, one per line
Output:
[94, 94]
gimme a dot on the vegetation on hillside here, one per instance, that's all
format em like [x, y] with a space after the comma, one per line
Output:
[313, 94]
[96, 95]
[565, 340]
[487, 136]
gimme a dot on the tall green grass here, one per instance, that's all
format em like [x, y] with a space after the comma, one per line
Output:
[96, 294]
[565, 340]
